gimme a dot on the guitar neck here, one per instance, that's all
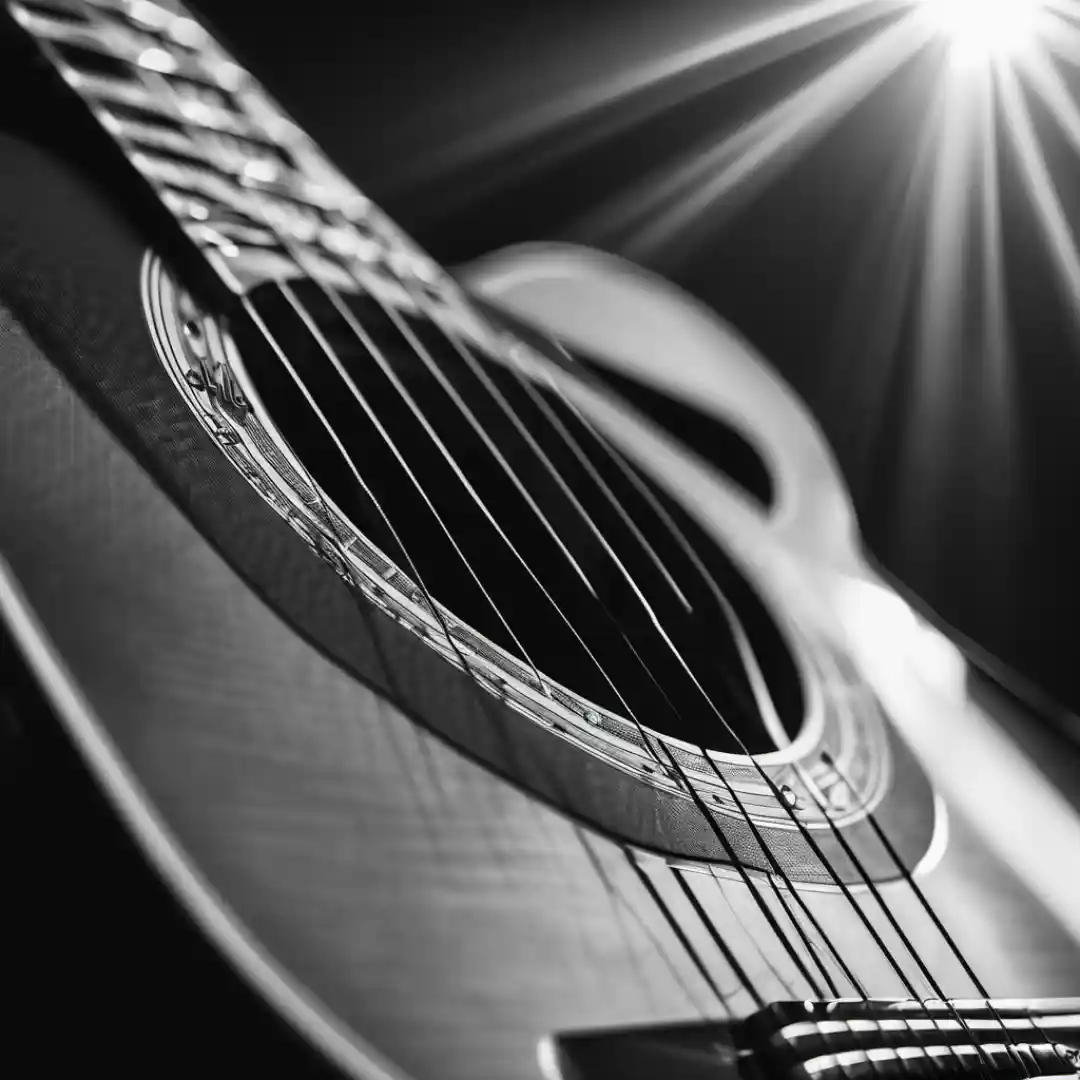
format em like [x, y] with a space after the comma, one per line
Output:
[248, 188]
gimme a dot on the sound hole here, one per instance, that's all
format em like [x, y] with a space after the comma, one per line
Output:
[560, 565]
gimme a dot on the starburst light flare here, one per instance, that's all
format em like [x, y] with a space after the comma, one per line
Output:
[982, 31]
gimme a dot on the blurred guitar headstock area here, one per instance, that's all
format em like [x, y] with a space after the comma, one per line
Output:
[877, 194]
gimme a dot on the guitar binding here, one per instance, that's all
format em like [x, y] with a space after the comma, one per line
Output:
[205, 365]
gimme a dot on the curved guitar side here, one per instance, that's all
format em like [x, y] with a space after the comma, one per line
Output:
[425, 907]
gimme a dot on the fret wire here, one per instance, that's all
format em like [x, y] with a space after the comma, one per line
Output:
[300, 260]
[280, 353]
[198, 135]
[170, 93]
[152, 76]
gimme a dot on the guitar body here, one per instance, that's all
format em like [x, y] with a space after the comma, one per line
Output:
[412, 910]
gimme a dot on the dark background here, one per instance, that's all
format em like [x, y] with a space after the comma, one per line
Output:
[967, 498]
[969, 504]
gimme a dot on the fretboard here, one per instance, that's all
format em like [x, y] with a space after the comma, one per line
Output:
[242, 180]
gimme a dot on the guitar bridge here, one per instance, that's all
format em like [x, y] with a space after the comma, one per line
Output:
[848, 1039]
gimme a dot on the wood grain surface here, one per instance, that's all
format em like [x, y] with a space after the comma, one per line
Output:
[435, 910]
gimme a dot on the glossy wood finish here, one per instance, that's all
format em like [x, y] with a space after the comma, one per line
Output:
[431, 908]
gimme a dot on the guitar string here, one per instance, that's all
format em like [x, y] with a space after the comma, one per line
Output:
[196, 134]
[371, 347]
[375, 351]
[732, 616]
[731, 853]
[713, 931]
[812, 946]
[896, 966]
[257, 319]
[669, 916]
[681, 936]
[740, 634]
[330, 518]
[878, 940]
[652, 890]
[575, 448]
[313, 328]
[171, 95]
[431, 365]
[924, 902]
[665, 910]
[355, 390]
[293, 374]
[751, 937]
[368, 344]
[366, 341]
[264, 329]
[619, 903]
[730, 613]
[477, 371]
[466, 354]
[741, 641]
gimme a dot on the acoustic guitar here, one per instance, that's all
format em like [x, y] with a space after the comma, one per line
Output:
[486, 661]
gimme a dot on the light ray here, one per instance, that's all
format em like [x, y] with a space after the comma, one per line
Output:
[657, 85]
[998, 412]
[996, 330]
[876, 302]
[765, 144]
[1063, 38]
[1052, 89]
[930, 432]
[1036, 173]
[980, 31]
[1070, 9]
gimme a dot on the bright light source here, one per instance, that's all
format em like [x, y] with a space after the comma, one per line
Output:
[983, 30]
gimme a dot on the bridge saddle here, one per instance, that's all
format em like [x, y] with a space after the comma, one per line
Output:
[846, 1039]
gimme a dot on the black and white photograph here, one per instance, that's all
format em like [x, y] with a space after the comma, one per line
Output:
[540, 540]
